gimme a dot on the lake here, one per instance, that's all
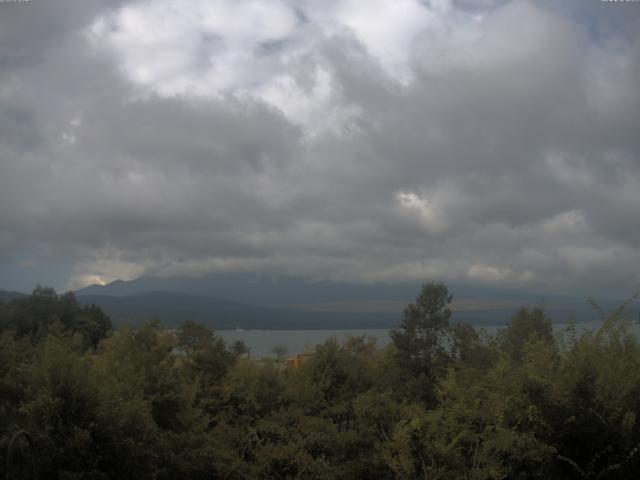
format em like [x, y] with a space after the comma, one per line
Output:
[262, 342]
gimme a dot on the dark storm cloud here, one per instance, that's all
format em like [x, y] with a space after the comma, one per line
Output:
[491, 141]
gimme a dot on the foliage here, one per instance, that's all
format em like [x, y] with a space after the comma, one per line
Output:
[442, 401]
[420, 340]
[44, 312]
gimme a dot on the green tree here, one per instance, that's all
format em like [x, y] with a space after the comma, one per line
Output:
[527, 325]
[44, 311]
[420, 338]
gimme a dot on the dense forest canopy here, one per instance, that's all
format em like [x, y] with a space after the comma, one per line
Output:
[443, 401]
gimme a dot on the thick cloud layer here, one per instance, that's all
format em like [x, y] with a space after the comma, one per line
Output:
[496, 142]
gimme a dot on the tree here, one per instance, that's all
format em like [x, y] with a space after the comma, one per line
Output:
[206, 359]
[471, 348]
[527, 325]
[45, 312]
[280, 351]
[239, 348]
[419, 340]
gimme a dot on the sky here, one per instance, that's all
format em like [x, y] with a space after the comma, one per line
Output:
[495, 142]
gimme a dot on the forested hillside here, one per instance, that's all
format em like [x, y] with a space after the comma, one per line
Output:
[443, 401]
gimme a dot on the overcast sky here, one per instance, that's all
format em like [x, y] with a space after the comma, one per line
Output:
[485, 141]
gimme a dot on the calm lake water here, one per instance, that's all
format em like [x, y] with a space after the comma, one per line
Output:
[262, 342]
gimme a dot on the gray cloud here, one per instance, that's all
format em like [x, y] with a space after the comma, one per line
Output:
[494, 142]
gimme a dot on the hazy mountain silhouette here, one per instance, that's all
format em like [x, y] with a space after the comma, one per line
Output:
[286, 289]
[172, 308]
[243, 300]
[7, 296]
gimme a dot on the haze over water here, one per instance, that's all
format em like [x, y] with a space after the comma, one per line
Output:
[262, 342]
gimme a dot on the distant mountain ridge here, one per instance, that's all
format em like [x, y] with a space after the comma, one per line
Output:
[173, 308]
[251, 301]
[7, 296]
[276, 302]
[269, 302]
[279, 290]
[256, 289]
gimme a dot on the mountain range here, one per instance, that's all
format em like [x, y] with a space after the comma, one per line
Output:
[251, 301]
[7, 296]
[246, 300]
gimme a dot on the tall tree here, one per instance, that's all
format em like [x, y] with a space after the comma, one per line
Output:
[527, 325]
[419, 340]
